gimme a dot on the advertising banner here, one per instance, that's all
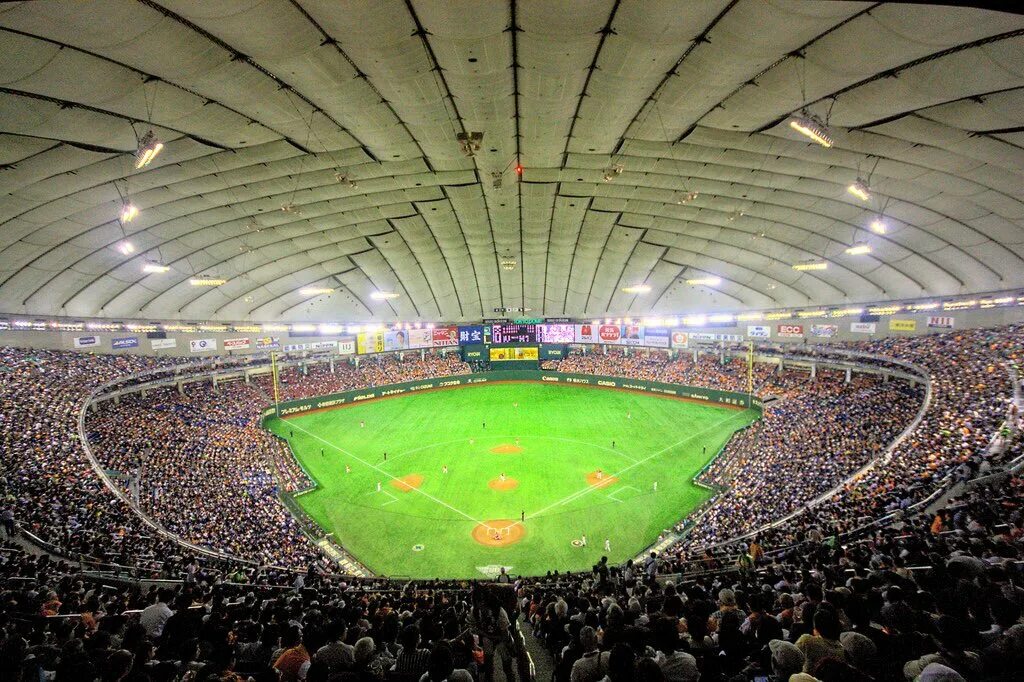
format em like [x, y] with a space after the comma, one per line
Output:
[125, 342]
[347, 347]
[556, 333]
[87, 341]
[396, 340]
[163, 344]
[421, 338]
[445, 336]
[587, 333]
[680, 339]
[236, 344]
[656, 337]
[903, 325]
[268, 342]
[471, 335]
[201, 345]
[757, 331]
[709, 336]
[790, 330]
[370, 342]
[517, 353]
[940, 322]
[863, 327]
[824, 331]
[322, 345]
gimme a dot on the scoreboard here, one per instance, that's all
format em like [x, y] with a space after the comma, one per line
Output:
[513, 333]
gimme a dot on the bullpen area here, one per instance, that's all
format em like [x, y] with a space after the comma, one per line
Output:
[455, 483]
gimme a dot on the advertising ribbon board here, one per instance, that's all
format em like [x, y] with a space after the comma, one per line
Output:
[202, 345]
[903, 325]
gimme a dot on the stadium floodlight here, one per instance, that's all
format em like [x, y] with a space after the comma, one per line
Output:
[315, 291]
[126, 248]
[722, 318]
[858, 250]
[810, 265]
[878, 225]
[129, 212]
[291, 208]
[303, 328]
[207, 281]
[153, 268]
[275, 327]
[811, 126]
[331, 329]
[860, 189]
[383, 295]
[149, 147]
[637, 289]
[705, 281]
[671, 321]
[346, 179]
[508, 263]
[749, 317]
[695, 321]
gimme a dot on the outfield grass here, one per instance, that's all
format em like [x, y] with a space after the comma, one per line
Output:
[564, 432]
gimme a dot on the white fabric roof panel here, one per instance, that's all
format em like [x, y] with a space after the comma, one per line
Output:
[347, 114]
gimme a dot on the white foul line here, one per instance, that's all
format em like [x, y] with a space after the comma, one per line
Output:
[390, 476]
[590, 488]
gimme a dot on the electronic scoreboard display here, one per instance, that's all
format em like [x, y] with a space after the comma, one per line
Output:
[513, 333]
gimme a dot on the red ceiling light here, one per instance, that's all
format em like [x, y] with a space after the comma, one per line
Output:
[518, 169]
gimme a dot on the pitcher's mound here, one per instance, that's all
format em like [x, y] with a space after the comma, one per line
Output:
[507, 484]
[499, 532]
[407, 483]
[606, 480]
[506, 449]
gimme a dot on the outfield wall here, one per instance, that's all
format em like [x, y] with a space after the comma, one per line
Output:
[708, 395]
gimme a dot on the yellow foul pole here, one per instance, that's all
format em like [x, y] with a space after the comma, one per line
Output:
[750, 369]
[273, 376]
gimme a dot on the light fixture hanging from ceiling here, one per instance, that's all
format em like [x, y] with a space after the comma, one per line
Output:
[291, 208]
[860, 189]
[637, 289]
[345, 179]
[496, 179]
[470, 142]
[686, 197]
[613, 171]
[126, 248]
[859, 249]
[810, 265]
[508, 262]
[129, 212]
[710, 281]
[812, 127]
[383, 295]
[154, 268]
[149, 147]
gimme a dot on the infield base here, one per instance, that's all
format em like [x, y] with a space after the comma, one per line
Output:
[499, 532]
[507, 484]
[600, 481]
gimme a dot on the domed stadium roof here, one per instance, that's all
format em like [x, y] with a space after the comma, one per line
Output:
[311, 156]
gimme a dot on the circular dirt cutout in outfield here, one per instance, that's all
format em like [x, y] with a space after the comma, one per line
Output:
[407, 483]
[499, 532]
[506, 449]
[507, 484]
[600, 481]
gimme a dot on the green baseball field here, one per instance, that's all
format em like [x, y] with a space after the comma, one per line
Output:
[455, 483]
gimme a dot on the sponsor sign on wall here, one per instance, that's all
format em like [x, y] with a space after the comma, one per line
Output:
[940, 322]
[790, 330]
[680, 339]
[445, 336]
[347, 347]
[125, 342]
[556, 333]
[201, 345]
[824, 331]
[322, 345]
[757, 331]
[863, 327]
[656, 337]
[471, 335]
[163, 344]
[236, 344]
[370, 342]
[268, 342]
[396, 340]
[709, 336]
[87, 341]
[421, 338]
[902, 325]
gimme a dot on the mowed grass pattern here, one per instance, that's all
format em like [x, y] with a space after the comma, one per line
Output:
[565, 432]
